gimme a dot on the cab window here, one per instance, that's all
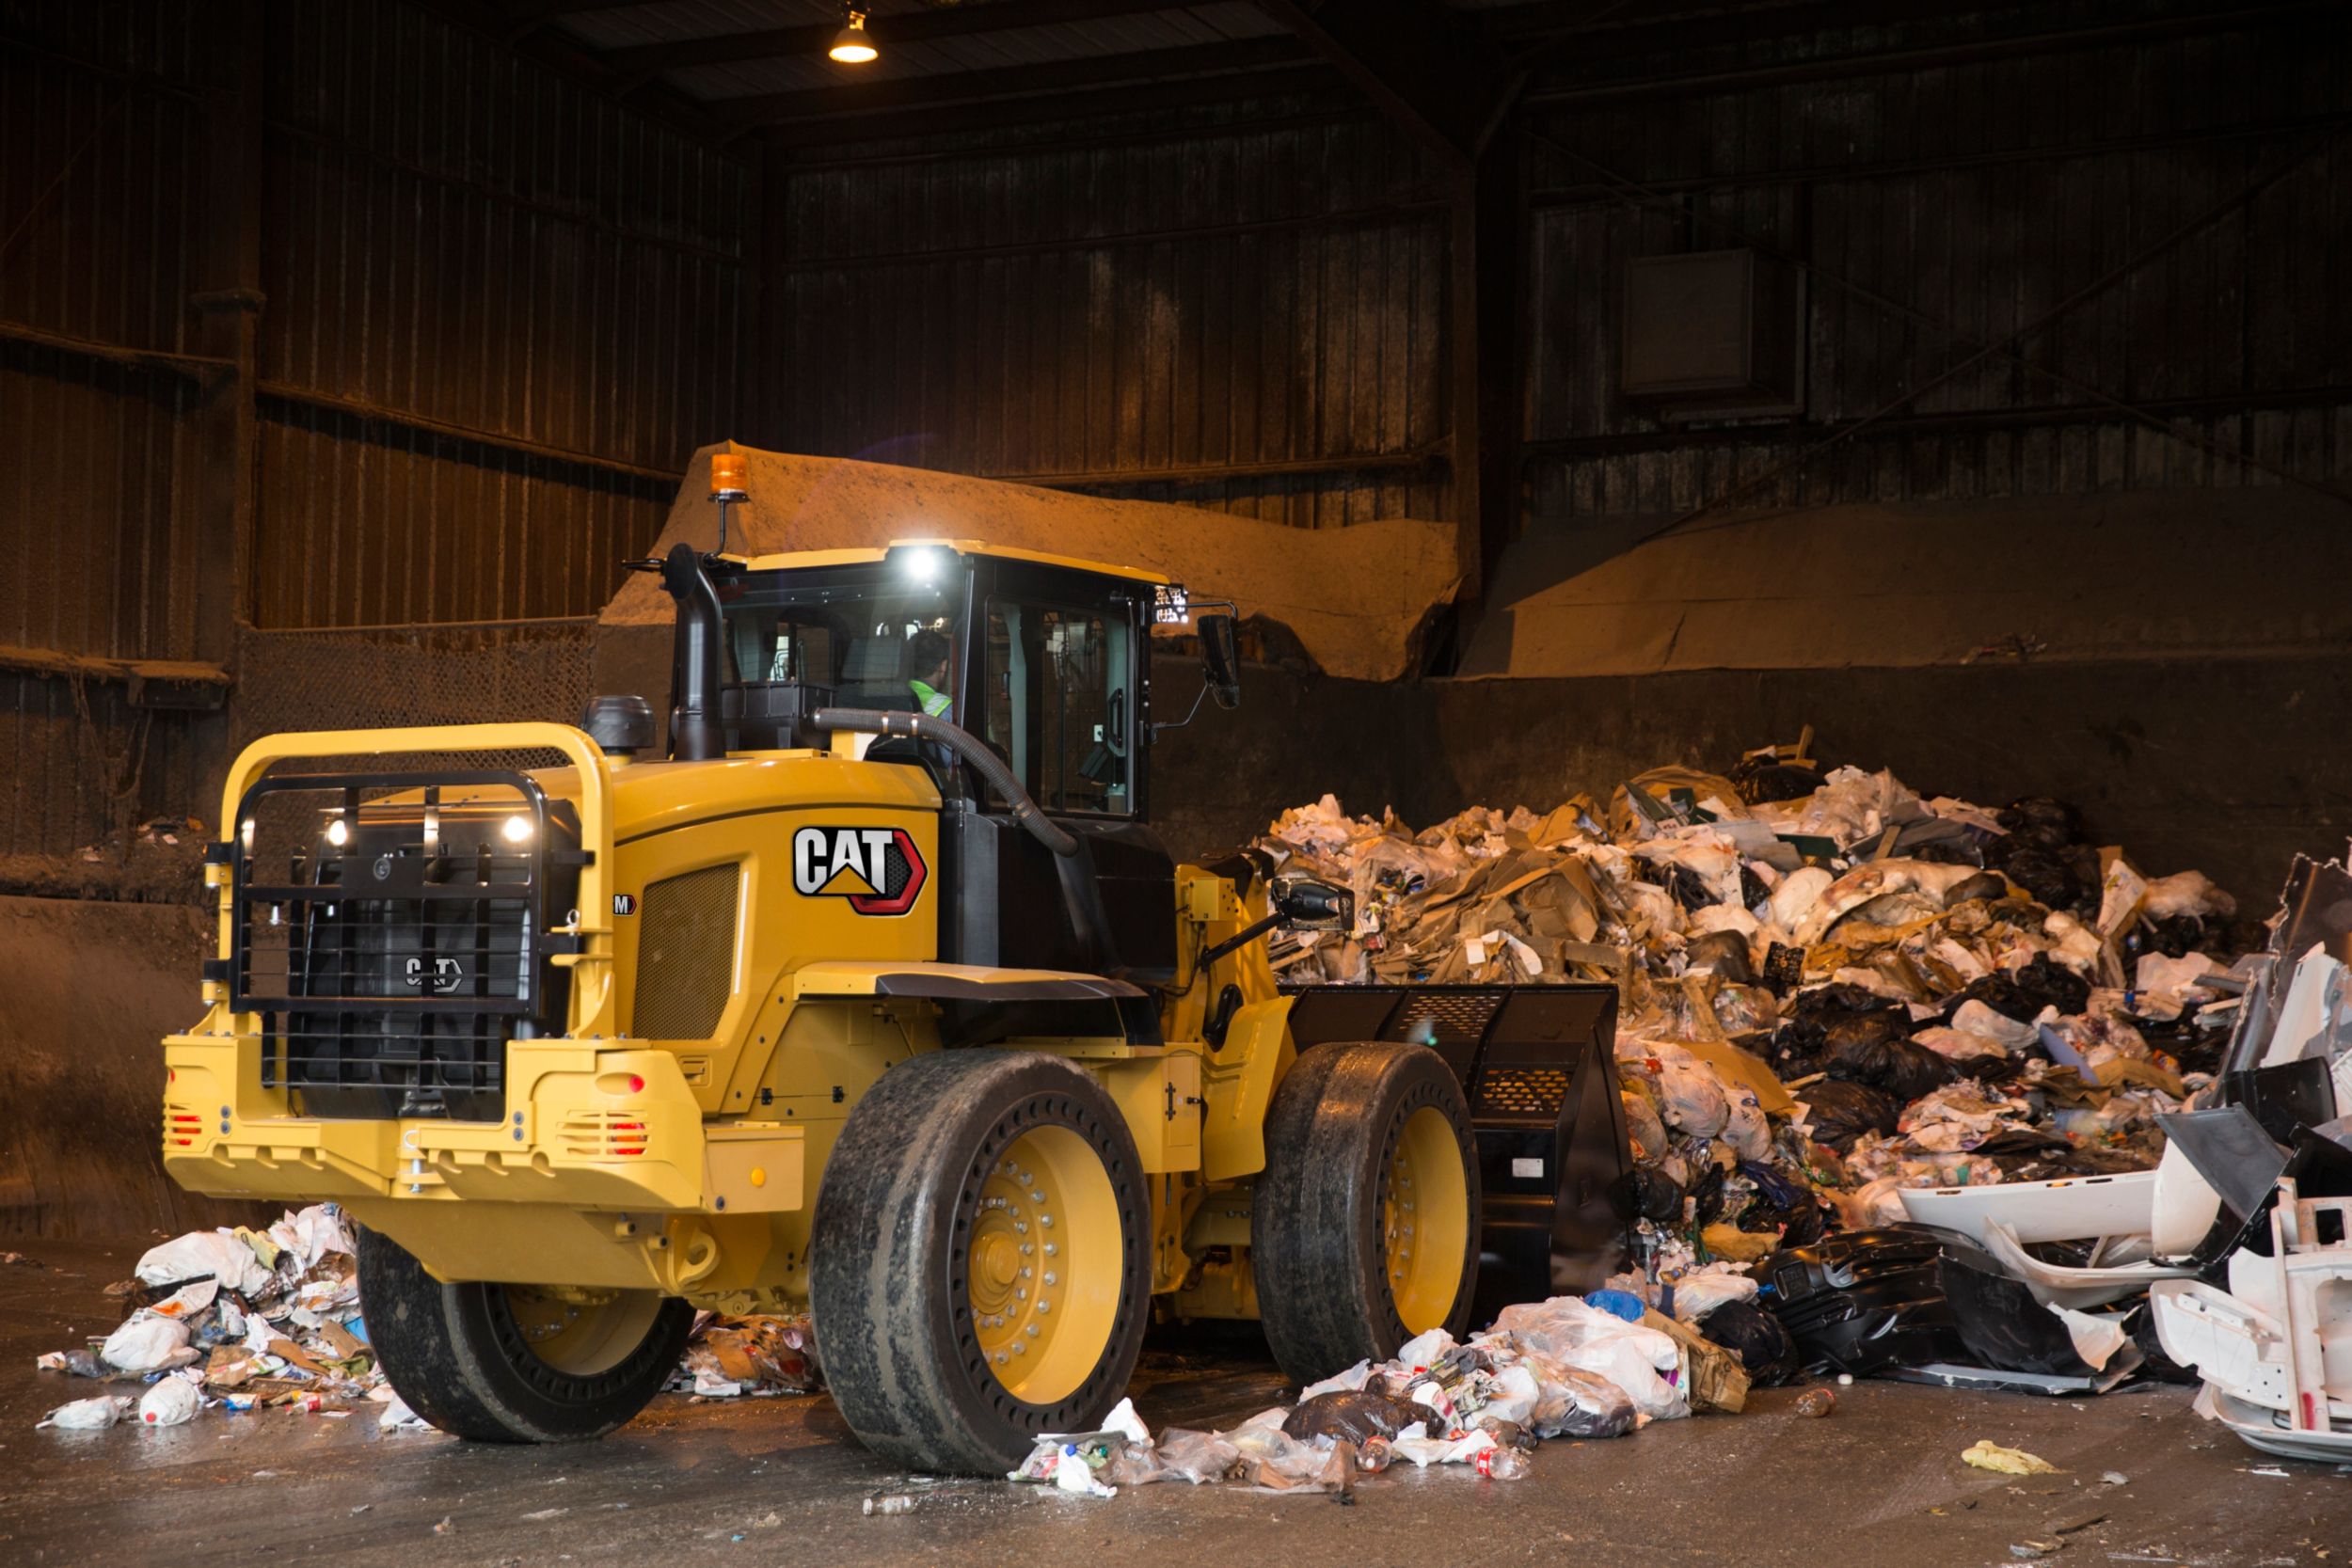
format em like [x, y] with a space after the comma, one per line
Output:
[1056, 705]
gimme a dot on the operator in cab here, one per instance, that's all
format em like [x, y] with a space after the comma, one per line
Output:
[927, 657]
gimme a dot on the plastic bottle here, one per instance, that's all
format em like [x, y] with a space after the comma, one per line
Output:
[896, 1502]
[1816, 1401]
[1502, 1463]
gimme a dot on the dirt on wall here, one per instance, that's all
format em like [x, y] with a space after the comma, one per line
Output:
[88, 991]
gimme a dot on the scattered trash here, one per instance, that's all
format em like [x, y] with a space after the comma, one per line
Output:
[758, 1355]
[88, 1415]
[170, 1401]
[1989, 1455]
[895, 1502]
[1816, 1401]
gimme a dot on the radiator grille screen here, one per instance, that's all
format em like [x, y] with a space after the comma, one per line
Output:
[686, 954]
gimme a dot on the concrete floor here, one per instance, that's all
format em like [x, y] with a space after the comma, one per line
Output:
[1880, 1482]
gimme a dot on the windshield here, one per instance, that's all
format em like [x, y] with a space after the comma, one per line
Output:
[878, 639]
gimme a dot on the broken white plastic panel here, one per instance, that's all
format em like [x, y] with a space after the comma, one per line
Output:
[2275, 1349]
[2070, 1208]
[2056, 1285]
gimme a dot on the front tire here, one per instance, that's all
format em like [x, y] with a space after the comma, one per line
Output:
[980, 1260]
[515, 1363]
[1365, 1227]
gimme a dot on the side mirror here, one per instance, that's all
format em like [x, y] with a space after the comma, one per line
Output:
[1220, 659]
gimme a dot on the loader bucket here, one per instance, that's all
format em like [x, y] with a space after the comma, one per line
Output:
[1537, 1066]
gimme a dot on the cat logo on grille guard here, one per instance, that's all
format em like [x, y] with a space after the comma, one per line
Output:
[877, 870]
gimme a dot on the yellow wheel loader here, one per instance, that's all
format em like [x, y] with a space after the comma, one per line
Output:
[860, 985]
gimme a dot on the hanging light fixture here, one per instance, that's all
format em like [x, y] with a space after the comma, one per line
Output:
[853, 44]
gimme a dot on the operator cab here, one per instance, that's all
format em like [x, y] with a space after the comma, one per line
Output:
[1045, 661]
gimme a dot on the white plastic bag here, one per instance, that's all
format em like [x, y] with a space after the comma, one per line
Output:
[147, 1343]
[88, 1415]
[1348, 1382]
[1423, 1350]
[1574, 1334]
[170, 1401]
[218, 1253]
[1701, 1291]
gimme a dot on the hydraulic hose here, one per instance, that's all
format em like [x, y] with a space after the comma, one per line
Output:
[923, 726]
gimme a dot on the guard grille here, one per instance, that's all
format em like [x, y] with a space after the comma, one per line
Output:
[603, 1135]
[394, 956]
[686, 954]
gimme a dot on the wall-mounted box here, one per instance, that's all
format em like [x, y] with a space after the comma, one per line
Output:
[1715, 334]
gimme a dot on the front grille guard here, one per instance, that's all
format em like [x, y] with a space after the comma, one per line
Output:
[538, 959]
[400, 968]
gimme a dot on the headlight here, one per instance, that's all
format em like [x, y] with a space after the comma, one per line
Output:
[515, 829]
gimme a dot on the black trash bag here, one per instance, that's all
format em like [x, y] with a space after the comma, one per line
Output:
[2155, 1362]
[1988, 1070]
[1706, 1192]
[1902, 1068]
[1757, 1337]
[1752, 889]
[1646, 1193]
[1986, 885]
[1723, 953]
[2053, 824]
[1689, 890]
[1863, 1300]
[1597, 1408]
[1999, 1320]
[2175, 938]
[1761, 780]
[1781, 1204]
[1354, 1417]
[1947, 853]
[2022, 993]
[2042, 873]
[1826, 1005]
[1842, 1112]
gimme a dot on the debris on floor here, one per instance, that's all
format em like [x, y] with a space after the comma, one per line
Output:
[758, 1355]
[239, 1319]
[1569, 1366]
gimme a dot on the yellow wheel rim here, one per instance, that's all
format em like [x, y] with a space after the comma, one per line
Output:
[1425, 1220]
[582, 1332]
[1045, 1264]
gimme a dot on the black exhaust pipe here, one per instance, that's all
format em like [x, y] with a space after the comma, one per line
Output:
[697, 732]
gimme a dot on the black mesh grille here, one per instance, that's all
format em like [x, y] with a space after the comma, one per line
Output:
[390, 968]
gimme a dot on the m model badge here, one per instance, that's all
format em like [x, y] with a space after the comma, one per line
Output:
[877, 870]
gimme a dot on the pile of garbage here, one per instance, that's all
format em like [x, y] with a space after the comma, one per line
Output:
[1590, 1367]
[241, 1321]
[1832, 989]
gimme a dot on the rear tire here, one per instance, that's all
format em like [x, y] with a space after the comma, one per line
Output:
[980, 1260]
[514, 1363]
[1364, 1228]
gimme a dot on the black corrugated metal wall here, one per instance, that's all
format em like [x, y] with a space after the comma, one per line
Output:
[1244, 315]
[2166, 206]
[500, 312]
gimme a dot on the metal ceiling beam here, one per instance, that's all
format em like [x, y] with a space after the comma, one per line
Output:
[1155, 65]
[1431, 69]
[914, 28]
[1000, 114]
